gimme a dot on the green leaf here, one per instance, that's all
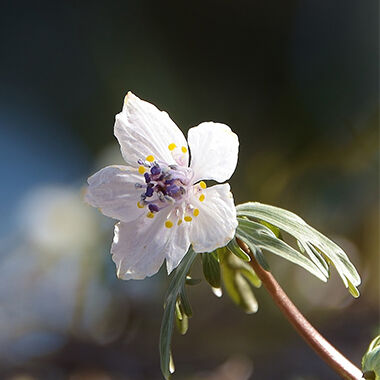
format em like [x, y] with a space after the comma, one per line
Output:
[182, 320]
[182, 324]
[174, 292]
[371, 360]
[248, 300]
[257, 236]
[185, 303]
[321, 250]
[251, 276]
[237, 275]
[239, 265]
[236, 250]
[211, 269]
[258, 253]
[273, 228]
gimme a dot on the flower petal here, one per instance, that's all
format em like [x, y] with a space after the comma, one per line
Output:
[113, 190]
[214, 151]
[143, 130]
[216, 222]
[178, 246]
[139, 248]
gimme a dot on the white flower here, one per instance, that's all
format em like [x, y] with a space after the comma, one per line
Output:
[161, 201]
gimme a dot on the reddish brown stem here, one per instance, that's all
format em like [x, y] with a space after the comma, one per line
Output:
[316, 341]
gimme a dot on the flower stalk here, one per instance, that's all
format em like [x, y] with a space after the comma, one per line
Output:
[316, 341]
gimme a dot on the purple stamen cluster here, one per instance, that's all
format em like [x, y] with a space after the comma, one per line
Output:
[168, 183]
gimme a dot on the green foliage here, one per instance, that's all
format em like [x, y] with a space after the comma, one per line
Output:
[176, 306]
[371, 360]
[260, 227]
[274, 229]
[322, 251]
[182, 319]
[211, 269]
[236, 250]
[258, 237]
[238, 277]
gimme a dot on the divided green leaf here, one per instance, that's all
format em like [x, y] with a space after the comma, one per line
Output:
[238, 277]
[258, 237]
[176, 306]
[320, 250]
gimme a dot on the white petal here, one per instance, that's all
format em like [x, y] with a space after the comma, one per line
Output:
[112, 189]
[216, 223]
[143, 130]
[178, 246]
[139, 248]
[214, 151]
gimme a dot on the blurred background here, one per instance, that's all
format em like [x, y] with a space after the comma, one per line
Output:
[296, 80]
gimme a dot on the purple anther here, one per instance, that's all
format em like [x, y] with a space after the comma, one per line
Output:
[169, 181]
[149, 191]
[155, 170]
[147, 177]
[172, 189]
[153, 207]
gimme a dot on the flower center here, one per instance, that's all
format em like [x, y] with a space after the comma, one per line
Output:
[164, 184]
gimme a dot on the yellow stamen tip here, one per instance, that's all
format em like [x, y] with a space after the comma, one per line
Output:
[196, 212]
[188, 218]
[139, 205]
[150, 215]
[184, 149]
[141, 169]
[172, 146]
[202, 197]
[150, 158]
[168, 224]
[179, 222]
[202, 185]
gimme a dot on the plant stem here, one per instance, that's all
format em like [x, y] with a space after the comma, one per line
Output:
[320, 345]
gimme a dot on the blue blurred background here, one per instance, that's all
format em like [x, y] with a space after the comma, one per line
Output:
[296, 80]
